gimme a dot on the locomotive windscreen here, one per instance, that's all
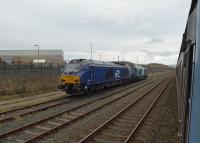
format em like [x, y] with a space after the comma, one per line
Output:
[72, 67]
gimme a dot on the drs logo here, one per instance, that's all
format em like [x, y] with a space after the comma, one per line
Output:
[117, 73]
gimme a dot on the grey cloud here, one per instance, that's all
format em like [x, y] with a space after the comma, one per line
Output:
[160, 52]
[111, 25]
[155, 40]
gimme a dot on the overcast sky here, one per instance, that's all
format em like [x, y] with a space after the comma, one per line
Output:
[149, 29]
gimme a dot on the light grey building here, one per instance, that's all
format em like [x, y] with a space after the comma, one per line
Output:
[32, 56]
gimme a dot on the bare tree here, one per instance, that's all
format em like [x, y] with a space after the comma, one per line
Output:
[17, 60]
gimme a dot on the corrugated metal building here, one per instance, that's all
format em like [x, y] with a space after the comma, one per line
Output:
[31, 56]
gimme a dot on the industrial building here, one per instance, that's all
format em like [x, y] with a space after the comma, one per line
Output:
[32, 56]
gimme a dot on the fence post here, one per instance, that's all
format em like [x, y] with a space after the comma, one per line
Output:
[40, 66]
[31, 68]
[50, 70]
[18, 68]
[4, 67]
[58, 70]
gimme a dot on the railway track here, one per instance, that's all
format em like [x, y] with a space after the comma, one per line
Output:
[26, 107]
[24, 111]
[55, 122]
[123, 126]
[29, 98]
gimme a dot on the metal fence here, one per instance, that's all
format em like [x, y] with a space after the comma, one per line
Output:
[18, 68]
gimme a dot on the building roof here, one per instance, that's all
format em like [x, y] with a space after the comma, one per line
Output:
[30, 52]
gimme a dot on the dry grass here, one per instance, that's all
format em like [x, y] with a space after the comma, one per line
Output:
[26, 84]
[154, 68]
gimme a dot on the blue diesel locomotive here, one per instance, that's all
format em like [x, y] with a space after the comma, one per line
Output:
[83, 76]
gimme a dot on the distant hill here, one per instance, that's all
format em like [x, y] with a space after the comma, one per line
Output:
[172, 66]
[156, 67]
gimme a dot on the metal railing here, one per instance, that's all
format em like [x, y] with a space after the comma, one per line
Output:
[15, 68]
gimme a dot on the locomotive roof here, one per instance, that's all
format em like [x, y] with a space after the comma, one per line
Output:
[93, 62]
[128, 63]
[123, 63]
[190, 29]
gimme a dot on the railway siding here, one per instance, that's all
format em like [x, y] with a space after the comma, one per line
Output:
[20, 112]
[70, 120]
[77, 131]
[54, 122]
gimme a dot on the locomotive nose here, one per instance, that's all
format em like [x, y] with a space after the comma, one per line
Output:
[70, 79]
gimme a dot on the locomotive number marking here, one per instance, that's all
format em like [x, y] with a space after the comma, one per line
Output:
[117, 73]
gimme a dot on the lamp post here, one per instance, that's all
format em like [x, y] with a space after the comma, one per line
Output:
[38, 51]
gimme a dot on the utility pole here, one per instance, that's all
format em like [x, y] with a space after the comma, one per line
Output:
[118, 58]
[91, 51]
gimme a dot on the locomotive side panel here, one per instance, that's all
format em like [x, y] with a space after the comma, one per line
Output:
[195, 112]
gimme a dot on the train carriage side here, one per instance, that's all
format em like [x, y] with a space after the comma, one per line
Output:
[188, 79]
[194, 128]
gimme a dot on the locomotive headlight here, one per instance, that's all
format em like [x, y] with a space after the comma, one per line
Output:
[85, 87]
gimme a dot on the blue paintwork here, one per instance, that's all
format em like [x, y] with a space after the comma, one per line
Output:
[194, 134]
[92, 72]
[105, 74]
[100, 74]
